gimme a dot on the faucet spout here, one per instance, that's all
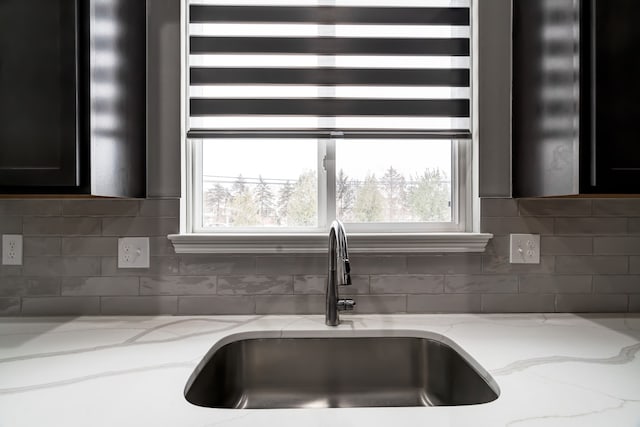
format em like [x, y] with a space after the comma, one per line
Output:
[339, 274]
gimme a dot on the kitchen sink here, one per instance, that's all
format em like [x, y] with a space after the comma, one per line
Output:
[337, 372]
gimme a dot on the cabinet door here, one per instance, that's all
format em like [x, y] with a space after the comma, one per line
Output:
[546, 135]
[38, 101]
[615, 103]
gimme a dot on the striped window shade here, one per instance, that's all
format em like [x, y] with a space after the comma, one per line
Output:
[352, 68]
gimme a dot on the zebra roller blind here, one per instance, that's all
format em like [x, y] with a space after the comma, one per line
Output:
[354, 68]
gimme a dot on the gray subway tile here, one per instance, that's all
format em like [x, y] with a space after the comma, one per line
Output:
[498, 207]
[481, 284]
[290, 304]
[449, 303]
[293, 265]
[139, 226]
[444, 264]
[501, 226]
[381, 304]
[616, 207]
[501, 265]
[350, 292]
[217, 265]
[62, 266]
[178, 285]
[100, 207]
[312, 284]
[255, 285]
[81, 226]
[576, 303]
[9, 306]
[634, 265]
[554, 207]
[634, 303]
[99, 286]
[29, 286]
[10, 225]
[496, 303]
[591, 226]
[141, 305]
[616, 245]
[592, 264]
[160, 245]
[498, 246]
[42, 246]
[158, 266]
[612, 284]
[212, 305]
[407, 284]
[634, 225]
[60, 306]
[10, 270]
[90, 246]
[378, 264]
[555, 284]
[160, 208]
[30, 207]
[42, 225]
[551, 245]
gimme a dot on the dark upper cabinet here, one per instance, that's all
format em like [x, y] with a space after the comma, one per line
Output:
[38, 94]
[613, 105]
[575, 97]
[73, 97]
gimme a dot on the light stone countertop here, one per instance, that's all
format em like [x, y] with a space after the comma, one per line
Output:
[552, 370]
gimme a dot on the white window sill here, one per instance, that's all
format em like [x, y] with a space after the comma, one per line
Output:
[226, 243]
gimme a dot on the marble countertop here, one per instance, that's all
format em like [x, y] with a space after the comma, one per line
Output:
[552, 370]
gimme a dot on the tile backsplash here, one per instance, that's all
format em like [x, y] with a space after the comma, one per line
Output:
[590, 262]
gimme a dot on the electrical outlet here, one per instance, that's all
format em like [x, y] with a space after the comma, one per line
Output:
[525, 249]
[11, 249]
[133, 252]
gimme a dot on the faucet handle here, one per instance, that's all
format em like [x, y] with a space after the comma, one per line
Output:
[346, 304]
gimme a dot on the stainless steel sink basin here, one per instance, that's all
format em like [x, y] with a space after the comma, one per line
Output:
[337, 372]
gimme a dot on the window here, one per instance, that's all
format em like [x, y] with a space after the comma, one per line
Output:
[302, 111]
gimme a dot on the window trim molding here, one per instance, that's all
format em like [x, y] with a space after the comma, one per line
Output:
[292, 243]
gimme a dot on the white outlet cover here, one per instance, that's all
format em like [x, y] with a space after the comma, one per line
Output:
[524, 249]
[133, 252]
[11, 249]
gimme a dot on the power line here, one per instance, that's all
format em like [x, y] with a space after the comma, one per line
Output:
[221, 179]
[246, 180]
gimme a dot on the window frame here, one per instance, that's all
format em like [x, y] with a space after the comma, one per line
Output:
[369, 238]
[326, 192]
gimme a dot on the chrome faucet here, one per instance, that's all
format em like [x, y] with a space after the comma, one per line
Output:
[338, 274]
